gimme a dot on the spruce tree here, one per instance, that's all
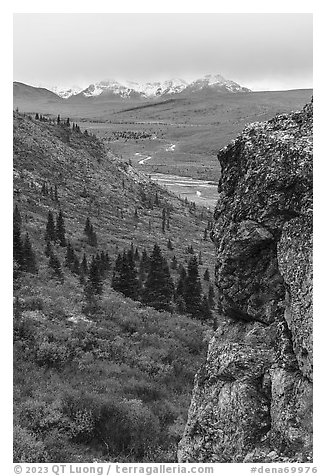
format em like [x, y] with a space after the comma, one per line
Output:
[90, 233]
[180, 305]
[50, 234]
[206, 313]
[84, 265]
[116, 273]
[48, 249]
[133, 283]
[87, 228]
[29, 262]
[211, 296]
[143, 267]
[75, 266]
[181, 285]
[159, 288]
[17, 245]
[95, 282]
[193, 288]
[60, 230]
[136, 255]
[55, 264]
[174, 263]
[125, 276]
[205, 234]
[206, 275]
[17, 216]
[70, 255]
[163, 220]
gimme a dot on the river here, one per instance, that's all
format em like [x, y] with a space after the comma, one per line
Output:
[202, 192]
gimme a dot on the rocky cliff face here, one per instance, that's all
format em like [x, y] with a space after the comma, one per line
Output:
[252, 399]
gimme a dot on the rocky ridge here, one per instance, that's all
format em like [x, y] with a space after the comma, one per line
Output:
[252, 400]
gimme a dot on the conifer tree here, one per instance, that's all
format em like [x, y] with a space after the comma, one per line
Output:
[50, 234]
[125, 276]
[169, 245]
[163, 220]
[90, 233]
[60, 230]
[75, 266]
[143, 267]
[206, 313]
[180, 304]
[205, 234]
[133, 283]
[181, 285]
[17, 245]
[95, 282]
[28, 262]
[193, 288]
[206, 275]
[159, 288]
[55, 264]
[17, 216]
[174, 263]
[211, 296]
[70, 255]
[48, 249]
[56, 198]
[190, 249]
[116, 273]
[92, 239]
[87, 228]
[84, 265]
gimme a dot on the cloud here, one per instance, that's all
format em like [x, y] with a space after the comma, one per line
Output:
[253, 49]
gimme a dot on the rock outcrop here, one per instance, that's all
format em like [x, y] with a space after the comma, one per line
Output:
[252, 399]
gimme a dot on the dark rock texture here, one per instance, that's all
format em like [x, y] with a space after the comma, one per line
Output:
[252, 399]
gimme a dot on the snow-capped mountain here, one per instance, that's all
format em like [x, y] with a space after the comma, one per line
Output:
[66, 93]
[216, 82]
[157, 88]
[133, 89]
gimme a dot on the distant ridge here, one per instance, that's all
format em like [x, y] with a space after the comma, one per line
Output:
[138, 90]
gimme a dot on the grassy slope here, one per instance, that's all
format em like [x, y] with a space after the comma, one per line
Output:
[115, 384]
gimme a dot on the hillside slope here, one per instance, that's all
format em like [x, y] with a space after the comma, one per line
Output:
[97, 378]
[252, 399]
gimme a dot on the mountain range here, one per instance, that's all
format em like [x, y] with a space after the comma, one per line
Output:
[137, 90]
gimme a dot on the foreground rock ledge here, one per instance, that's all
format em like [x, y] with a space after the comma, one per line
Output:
[252, 400]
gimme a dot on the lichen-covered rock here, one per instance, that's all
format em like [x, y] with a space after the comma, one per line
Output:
[252, 399]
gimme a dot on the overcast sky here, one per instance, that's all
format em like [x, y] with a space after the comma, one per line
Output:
[261, 51]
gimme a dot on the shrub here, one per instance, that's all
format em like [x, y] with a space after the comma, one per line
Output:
[52, 354]
[27, 449]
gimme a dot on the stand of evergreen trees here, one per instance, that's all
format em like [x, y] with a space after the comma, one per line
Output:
[146, 277]
[151, 283]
